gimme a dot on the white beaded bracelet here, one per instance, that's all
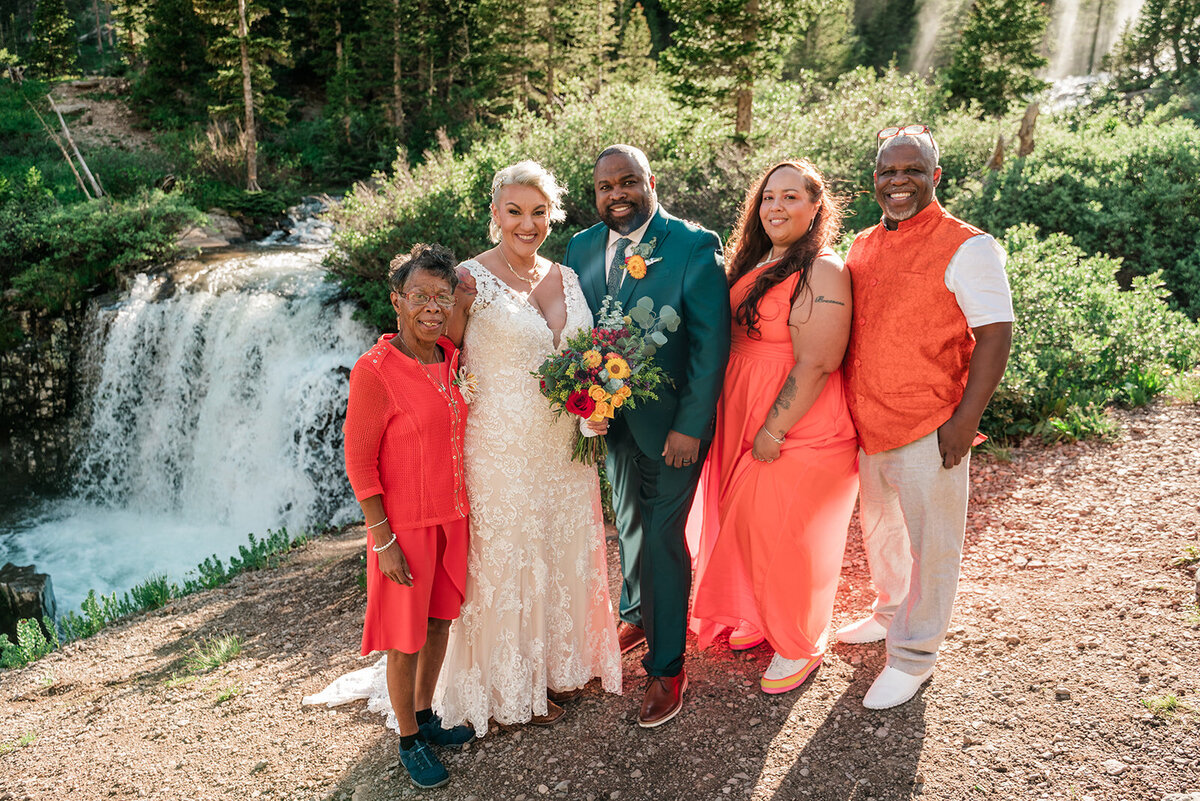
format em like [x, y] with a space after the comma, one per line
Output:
[776, 440]
[375, 525]
[382, 548]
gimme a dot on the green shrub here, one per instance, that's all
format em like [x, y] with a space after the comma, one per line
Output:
[702, 172]
[32, 643]
[54, 255]
[1080, 343]
[1128, 191]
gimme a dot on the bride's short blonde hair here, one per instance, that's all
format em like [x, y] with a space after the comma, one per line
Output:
[528, 173]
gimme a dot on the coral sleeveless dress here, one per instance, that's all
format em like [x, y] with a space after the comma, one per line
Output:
[768, 539]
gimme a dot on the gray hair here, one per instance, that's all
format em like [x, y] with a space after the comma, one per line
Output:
[528, 173]
[924, 142]
[434, 259]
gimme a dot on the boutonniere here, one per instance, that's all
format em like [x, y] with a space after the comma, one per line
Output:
[637, 263]
[467, 384]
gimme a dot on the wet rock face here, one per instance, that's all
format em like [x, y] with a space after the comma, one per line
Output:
[23, 593]
[36, 394]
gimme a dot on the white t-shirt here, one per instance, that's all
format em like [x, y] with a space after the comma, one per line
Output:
[634, 237]
[976, 276]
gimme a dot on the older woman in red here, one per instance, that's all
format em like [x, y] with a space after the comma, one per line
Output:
[404, 442]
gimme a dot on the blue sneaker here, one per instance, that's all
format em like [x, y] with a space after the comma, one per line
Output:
[455, 737]
[423, 766]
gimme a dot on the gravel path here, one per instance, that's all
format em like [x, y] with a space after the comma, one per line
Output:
[1070, 616]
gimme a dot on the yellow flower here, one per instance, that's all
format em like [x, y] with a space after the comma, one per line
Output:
[617, 400]
[617, 368]
[597, 393]
[636, 266]
[627, 319]
[624, 392]
[603, 409]
[591, 358]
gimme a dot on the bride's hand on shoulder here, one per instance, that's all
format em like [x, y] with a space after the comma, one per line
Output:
[465, 291]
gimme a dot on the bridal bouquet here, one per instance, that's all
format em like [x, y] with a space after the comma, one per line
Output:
[607, 368]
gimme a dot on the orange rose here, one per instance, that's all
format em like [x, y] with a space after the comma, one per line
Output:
[617, 400]
[636, 266]
[597, 393]
[624, 392]
[603, 409]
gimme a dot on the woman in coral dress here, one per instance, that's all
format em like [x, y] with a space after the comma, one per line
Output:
[781, 478]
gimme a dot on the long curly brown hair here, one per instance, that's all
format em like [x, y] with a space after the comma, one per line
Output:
[750, 243]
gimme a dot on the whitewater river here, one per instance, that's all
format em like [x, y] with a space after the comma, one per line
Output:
[217, 397]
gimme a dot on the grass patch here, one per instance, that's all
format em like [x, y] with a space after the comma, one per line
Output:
[25, 739]
[178, 681]
[213, 652]
[233, 691]
[98, 611]
[1162, 706]
[1189, 557]
[1184, 387]
[1000, 453]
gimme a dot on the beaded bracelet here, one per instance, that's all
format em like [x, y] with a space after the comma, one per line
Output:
[776, 440]
[382, 548]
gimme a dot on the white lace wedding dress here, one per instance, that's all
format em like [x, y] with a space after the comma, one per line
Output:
[537, 613]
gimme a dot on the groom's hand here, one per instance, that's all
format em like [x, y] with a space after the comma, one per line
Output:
[681, 450]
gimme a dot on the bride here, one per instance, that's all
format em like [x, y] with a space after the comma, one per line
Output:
[536, 622]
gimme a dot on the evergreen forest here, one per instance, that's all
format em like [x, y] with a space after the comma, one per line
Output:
[408, 107]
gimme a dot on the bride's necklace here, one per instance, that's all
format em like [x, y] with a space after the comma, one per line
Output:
[537, 275]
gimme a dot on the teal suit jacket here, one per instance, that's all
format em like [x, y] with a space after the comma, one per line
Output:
[691, 278]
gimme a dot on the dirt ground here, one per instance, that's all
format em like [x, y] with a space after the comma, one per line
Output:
[1070, 616]
[98, 114]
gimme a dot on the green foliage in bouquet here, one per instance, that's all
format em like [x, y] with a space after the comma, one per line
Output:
[606, 368]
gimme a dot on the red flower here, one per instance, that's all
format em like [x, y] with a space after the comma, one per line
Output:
[580, 403]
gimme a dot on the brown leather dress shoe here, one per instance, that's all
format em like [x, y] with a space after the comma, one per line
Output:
[564, 696]
[554, 713]
[664, 699]
[629, 636]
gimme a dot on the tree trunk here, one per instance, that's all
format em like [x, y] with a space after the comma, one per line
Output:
[1025, 134]
[340, 54]
[397, 67]
[745, 74]
[1095, 36]
[599, 44]
[250, 135]
[548, 35]
[99, 34]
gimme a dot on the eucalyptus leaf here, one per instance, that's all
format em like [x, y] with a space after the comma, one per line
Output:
[645, 303]
[658, 338]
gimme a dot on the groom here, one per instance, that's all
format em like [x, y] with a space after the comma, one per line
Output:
[655, 450]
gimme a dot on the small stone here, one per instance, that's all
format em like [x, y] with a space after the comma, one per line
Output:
[1020, 561]
[1114, 767]
[260, 766]
[637, 774]
[856, 660]
[755, 721]
[1011, 639]
[882, 732]
[1062, 694]
[614, 795]
[543, 789]
[562, 786]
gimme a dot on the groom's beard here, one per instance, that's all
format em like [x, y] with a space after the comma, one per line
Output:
[626, 225]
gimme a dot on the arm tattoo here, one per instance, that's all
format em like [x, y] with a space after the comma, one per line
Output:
[823, 299]
[786, 396]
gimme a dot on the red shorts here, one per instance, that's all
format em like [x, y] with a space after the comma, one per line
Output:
[397, 616]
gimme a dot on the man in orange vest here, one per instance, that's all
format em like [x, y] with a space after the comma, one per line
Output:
[930, 339]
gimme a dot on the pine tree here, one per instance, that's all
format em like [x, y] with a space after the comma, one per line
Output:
[997, 58]
[722, 46]
[1166, 33]
[635, 61]
[826, 45]
[177, 71]
[243, 81]
[53, 51]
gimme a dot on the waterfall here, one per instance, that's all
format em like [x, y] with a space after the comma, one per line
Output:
[1083, 31]
[217, 400]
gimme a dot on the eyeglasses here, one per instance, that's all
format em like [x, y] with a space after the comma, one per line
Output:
[421, 299]
[906, 130]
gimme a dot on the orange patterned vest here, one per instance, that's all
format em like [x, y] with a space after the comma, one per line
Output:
[910, 346]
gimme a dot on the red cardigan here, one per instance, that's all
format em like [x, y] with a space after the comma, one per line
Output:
[404, 437]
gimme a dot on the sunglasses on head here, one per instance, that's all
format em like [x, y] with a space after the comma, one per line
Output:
[903, 130]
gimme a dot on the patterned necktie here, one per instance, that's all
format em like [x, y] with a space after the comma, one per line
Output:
[614, 269]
